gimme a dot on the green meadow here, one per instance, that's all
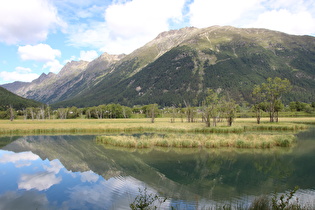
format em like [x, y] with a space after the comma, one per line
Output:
[141, 133]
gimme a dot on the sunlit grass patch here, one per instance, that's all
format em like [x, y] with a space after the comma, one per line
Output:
[199, 140]
[95, 126]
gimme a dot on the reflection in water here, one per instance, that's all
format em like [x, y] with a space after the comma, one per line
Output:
[45, 184]
[73, 172]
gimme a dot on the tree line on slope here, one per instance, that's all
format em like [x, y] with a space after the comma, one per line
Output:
[215, 107]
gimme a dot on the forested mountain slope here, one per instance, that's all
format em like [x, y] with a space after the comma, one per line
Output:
[180, 65]
[7, 98]
[222, 58]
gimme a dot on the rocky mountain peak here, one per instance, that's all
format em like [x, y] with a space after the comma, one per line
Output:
[173, 33]
[41, 78]
[73, 67]
[111, 58]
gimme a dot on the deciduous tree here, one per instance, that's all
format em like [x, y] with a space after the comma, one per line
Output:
[271, 92]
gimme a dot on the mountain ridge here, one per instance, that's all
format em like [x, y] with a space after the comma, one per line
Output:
[181, 64]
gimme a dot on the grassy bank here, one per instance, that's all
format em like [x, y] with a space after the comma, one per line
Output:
[94, 126]
[199, 140]
[163, 133]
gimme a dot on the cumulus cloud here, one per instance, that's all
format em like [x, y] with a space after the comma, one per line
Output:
[20, 69]
[142, 17]
[88, 55]
[283, 20]
[17, 76]
[294, 17]
[39, 52]
[128, 25]
[27, 22]
[54, 66]
[224, 12]
[42, 53]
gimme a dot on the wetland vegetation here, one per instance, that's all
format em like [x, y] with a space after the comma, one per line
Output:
[141, 133]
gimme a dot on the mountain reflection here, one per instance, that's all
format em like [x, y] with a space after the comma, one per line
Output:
[45, 184]
[75, 172]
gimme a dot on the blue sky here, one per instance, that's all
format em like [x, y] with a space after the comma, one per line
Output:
[39, 36]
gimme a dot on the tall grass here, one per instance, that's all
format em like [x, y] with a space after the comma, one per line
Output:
[86, 126]
[199, 140]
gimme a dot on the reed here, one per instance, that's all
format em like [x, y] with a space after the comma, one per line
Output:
[199, 140]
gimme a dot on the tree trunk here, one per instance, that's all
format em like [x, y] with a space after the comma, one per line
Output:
[214, 121]
[277, 116]
[258, 116]
[11, 113]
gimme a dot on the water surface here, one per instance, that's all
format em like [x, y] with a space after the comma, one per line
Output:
[75, 172]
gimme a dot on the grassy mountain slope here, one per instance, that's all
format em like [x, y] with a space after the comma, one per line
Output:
[180, 65]
[7, 98]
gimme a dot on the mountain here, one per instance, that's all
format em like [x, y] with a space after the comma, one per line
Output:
[180, 65]
[7, 98]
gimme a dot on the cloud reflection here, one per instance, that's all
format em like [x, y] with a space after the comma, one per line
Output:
[40, 181]
[55, 166]
[115, 193]
[19, 159]
[89, 176]
[85, 190]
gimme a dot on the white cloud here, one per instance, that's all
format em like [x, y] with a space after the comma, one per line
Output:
[54, 66]
[289, 16]
[42, 53]
[22, 70]
[128, 25]
[88, 55]
[39, 52]
[142, 17]
[283, 20]
[224, 12]
[72, 58]
[7, 77]
[27, 22]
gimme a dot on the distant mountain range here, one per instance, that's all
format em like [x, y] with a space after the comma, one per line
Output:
[180, 65]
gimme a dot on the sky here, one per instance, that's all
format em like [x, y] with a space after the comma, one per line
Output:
[41, 36]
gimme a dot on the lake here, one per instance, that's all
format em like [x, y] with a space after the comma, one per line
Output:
[76, 172]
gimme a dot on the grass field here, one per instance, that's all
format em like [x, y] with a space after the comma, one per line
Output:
[244, 133]
[97, 126]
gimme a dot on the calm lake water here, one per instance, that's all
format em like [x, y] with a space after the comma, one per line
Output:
[75, 172]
